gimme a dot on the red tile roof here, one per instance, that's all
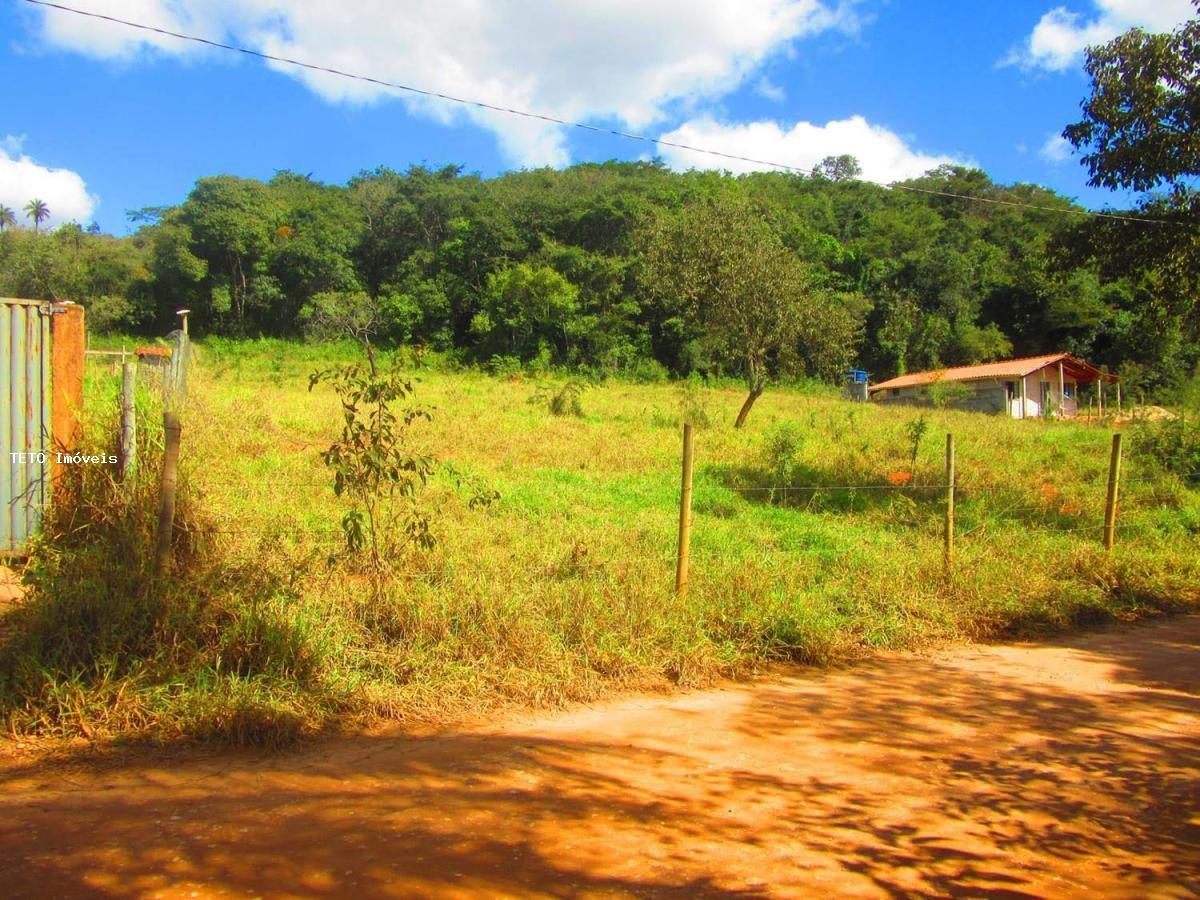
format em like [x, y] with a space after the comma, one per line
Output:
[1007, 368]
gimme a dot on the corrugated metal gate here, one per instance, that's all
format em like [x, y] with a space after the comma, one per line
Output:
[25, 445]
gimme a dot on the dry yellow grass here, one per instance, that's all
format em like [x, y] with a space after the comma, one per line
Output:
[562, 590]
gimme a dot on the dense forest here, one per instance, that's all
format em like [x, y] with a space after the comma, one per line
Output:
[630, 267]
[544, 265]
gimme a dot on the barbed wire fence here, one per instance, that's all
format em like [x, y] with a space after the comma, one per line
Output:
[946, 492]
[1055, 516]
[164, 372]
[987, 511]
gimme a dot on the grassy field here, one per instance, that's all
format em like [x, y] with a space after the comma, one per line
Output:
[563, 588]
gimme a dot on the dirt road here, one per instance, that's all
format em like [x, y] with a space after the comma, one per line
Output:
[1013, 771]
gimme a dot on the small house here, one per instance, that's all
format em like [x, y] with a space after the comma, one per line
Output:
[1023, 388]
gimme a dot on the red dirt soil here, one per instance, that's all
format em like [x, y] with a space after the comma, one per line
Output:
[1012, 771]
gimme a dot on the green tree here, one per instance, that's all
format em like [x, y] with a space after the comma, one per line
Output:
[177, 275]
[38, 211]
[838, 168]
[309, 251]
[896, 318]
[448, 260]
[231, 223]
[1140, 130]
[8, 218]
[755, 304]
[526, 310]
[1141, 125]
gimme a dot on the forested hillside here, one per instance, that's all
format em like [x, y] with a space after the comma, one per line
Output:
[545, 265]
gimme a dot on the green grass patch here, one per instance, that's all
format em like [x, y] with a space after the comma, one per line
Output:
[563, 589]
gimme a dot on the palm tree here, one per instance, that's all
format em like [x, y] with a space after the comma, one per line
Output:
[8, 218]
[38, 211]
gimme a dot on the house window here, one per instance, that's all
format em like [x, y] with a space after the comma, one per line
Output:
[1010, 389]
[1069, 391]
[895, 392]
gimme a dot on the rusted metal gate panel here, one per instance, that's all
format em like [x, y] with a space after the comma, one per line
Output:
[25, 445]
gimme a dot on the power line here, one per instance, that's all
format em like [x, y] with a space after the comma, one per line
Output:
[554, 120]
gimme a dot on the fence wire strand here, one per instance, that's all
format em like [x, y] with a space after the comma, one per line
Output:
[971, 500]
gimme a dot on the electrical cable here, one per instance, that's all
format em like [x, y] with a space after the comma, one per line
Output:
[555, 120]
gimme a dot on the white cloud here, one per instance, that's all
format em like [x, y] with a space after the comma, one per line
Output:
[22, 179]
[624, 60]
[768, 89]
[1057, 149]
[108, 40]
[883, 154]
[1060, 37]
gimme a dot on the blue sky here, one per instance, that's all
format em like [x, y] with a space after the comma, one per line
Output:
[99, 119]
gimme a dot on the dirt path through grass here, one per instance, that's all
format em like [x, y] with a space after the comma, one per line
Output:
[1043, 770]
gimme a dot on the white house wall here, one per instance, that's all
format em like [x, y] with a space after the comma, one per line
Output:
[991, 395]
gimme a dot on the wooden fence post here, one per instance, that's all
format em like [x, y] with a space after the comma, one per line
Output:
[128, 421]
[685, 515]
[185, 361]
[185, 354]
[949, 529]
[166, 499]
[1114, 483]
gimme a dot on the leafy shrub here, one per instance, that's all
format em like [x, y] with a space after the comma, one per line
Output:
[948, 393]
[780, 454]
[372, 462]
[111, 313]
[1174, 444]
[542, 363]
[916, 430]
[1186, 394]
[648, 371]
[505, 366]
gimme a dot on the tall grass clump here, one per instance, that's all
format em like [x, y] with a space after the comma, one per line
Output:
[780, 458]
[560, 400]
[103, 645]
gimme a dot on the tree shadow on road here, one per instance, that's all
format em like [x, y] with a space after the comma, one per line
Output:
[965, 774]
[1031, 768]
